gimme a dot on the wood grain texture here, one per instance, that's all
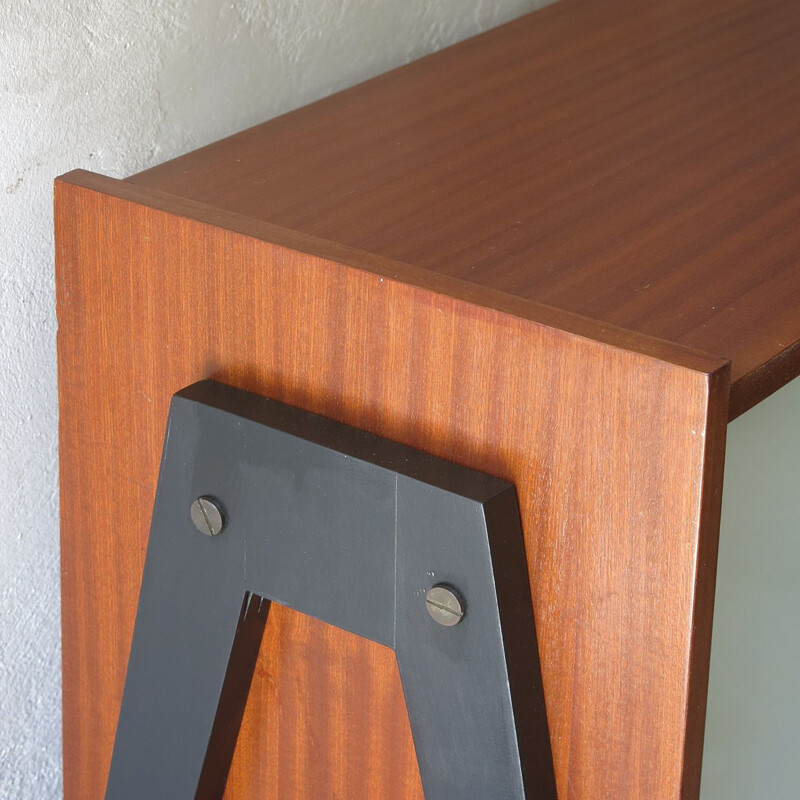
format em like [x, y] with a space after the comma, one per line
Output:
[616, 455]
[635, 163]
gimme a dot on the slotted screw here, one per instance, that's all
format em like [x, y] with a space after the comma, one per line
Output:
[444, 605]
[207, 515]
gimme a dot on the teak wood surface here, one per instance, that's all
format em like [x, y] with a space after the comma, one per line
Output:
[564, 252]
[636, 163]
[616, 455]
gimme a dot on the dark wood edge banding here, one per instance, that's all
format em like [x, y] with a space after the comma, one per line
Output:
[705, 580]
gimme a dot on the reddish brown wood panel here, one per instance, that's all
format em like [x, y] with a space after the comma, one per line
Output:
[637, 163]
[616, 456]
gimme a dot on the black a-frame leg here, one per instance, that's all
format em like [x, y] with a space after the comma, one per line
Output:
[385, 541]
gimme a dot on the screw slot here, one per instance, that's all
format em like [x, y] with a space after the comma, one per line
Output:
[207, 515]
[444, 605]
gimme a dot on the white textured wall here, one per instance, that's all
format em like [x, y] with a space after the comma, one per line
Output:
[752, 747]
[114, 87]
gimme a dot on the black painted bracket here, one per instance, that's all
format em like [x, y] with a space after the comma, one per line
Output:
[354, 530]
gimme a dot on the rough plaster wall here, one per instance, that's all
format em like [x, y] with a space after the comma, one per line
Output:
[115, 87]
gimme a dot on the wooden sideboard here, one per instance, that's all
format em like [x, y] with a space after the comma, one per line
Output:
[565, 252]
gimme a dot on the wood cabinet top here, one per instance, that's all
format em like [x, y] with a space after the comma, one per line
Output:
[633, 163]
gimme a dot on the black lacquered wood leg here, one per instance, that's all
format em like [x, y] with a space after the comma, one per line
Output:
[354, 530]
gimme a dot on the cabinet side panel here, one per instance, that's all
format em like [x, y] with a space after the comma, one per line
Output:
[607, 448]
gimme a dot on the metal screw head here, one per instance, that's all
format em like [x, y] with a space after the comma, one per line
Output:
[207, 515]
[444, 605]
